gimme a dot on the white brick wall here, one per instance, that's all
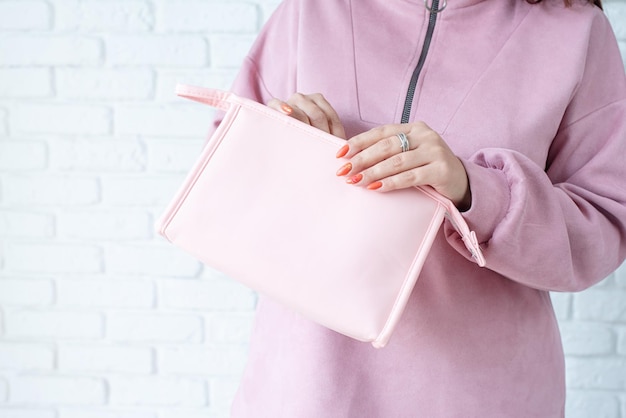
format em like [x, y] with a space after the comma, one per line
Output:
[38, 49]
[98, 317]
[29, 15]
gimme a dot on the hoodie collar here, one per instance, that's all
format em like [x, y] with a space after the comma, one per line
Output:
[454, 4]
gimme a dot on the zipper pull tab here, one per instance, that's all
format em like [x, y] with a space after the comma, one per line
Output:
[434, 7]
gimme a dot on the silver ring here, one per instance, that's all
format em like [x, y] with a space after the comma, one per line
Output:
[438, 9]
[404, 141]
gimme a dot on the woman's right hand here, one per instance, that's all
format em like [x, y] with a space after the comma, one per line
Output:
[312, 109]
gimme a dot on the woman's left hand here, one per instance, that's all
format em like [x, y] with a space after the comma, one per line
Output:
[376, 161]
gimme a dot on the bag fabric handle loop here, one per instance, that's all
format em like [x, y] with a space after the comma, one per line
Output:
[215, 98]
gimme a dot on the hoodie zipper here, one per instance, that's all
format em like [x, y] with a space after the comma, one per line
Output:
[406, 112]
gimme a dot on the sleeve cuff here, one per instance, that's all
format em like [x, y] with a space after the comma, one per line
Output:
[490, 199]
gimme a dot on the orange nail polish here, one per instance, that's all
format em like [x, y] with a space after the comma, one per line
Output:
[345, 169]
[286, 108]
[355, 179]
[375, 186]
[343, 151]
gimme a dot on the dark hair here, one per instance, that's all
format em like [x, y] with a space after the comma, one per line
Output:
[569, 2]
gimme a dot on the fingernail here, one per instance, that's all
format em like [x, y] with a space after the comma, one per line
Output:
[286, 108]
[345, 169]
[343, 151]
[355, 179]
[376, 185]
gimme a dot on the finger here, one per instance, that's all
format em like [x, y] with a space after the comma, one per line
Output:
[279, 105]
[372, 166]
[431, 174]
[392, 166]
[316, 116]
[367, 159]
[416, 130]
[289, 110]
[382, 159]
[366, 139]
[334, 123]
[405, 179]
[396, 164]
[386, 152]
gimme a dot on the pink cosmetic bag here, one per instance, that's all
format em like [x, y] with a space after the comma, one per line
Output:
[263, 205]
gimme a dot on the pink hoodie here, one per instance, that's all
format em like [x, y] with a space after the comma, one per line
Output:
[532, 98]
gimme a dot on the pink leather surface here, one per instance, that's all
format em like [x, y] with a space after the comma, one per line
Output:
[263, 205]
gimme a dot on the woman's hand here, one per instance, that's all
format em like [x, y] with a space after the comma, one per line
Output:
[376, 161]
[312, 109]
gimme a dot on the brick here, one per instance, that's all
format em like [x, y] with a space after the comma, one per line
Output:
[176, 156]
[606, 373]
[108, 16]
[607, 283]
[197, 16]
[621, 341]
[54, 324]
[25, 82]
[100, 358]
[214, 295]
[192, 413]
[23, 155]
[600, 305]
[104, 84]
[29, 412]
[215, 78]
[140, 191]
[22, 224]
[4, 390]
[61, 119]
[227, 360]
[622, 49]
[52, 258]
[587, 338]
[155, 328]
[50, 190]
[616, 12]
[25, 15]
[267, 9]
[98, 155]
[26, 292]
[58, 390]
[105, 293]
[582, 404]
[562, 303]
[157, 391]
[3, 122]
[25, 356]
[108, 412]
[61, 50]
[161, 50]
[620, 276]
[101, 225]
[229, 51]
[210, 273]
[150, 261]
[231, 328]
[176, 120]
[222, 392]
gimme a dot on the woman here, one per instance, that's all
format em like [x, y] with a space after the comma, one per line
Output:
[517, 113]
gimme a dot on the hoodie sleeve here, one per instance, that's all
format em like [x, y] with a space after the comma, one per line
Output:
[561, 227]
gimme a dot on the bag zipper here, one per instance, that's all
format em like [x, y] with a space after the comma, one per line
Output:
[406, 112]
